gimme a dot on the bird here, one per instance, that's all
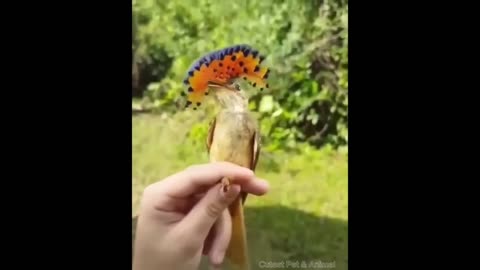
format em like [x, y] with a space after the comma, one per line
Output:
[233, 134]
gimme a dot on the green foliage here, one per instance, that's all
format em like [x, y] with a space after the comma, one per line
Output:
[305, 42]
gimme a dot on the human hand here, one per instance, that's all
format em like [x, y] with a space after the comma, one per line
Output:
[186, 215]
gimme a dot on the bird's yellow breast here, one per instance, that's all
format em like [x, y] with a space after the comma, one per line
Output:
[233, 138]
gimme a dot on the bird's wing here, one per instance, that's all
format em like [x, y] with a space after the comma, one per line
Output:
[211, 130]
[256, 148]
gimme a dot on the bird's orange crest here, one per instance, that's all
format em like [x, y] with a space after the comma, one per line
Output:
[222, 67]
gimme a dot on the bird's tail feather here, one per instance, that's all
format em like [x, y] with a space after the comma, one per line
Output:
[237, 252]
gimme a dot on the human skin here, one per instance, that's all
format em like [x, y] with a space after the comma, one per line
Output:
[185, 215]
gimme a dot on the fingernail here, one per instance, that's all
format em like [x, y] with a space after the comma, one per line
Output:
[263, 182]
[218, 259]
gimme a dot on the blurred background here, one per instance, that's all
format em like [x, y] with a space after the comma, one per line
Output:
[303, 115]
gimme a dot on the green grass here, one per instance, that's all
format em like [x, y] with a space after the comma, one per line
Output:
[302, 218]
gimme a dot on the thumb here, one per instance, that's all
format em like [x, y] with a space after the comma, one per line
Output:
[206, 212]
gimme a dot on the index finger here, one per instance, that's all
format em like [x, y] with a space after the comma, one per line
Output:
[189, 181]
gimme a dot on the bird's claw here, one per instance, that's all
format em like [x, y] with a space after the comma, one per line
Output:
[225, 184]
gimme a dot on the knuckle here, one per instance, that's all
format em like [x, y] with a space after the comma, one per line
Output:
[151, 195]
[148, 190]
[214, 210]
[148, 193]
[229, 196]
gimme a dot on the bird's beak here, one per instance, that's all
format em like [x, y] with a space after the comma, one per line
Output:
[220, 90]
[219, 87]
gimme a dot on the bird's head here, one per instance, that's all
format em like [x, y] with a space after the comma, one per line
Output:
[230, 97]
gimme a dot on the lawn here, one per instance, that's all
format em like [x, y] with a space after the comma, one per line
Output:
[303, 217]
